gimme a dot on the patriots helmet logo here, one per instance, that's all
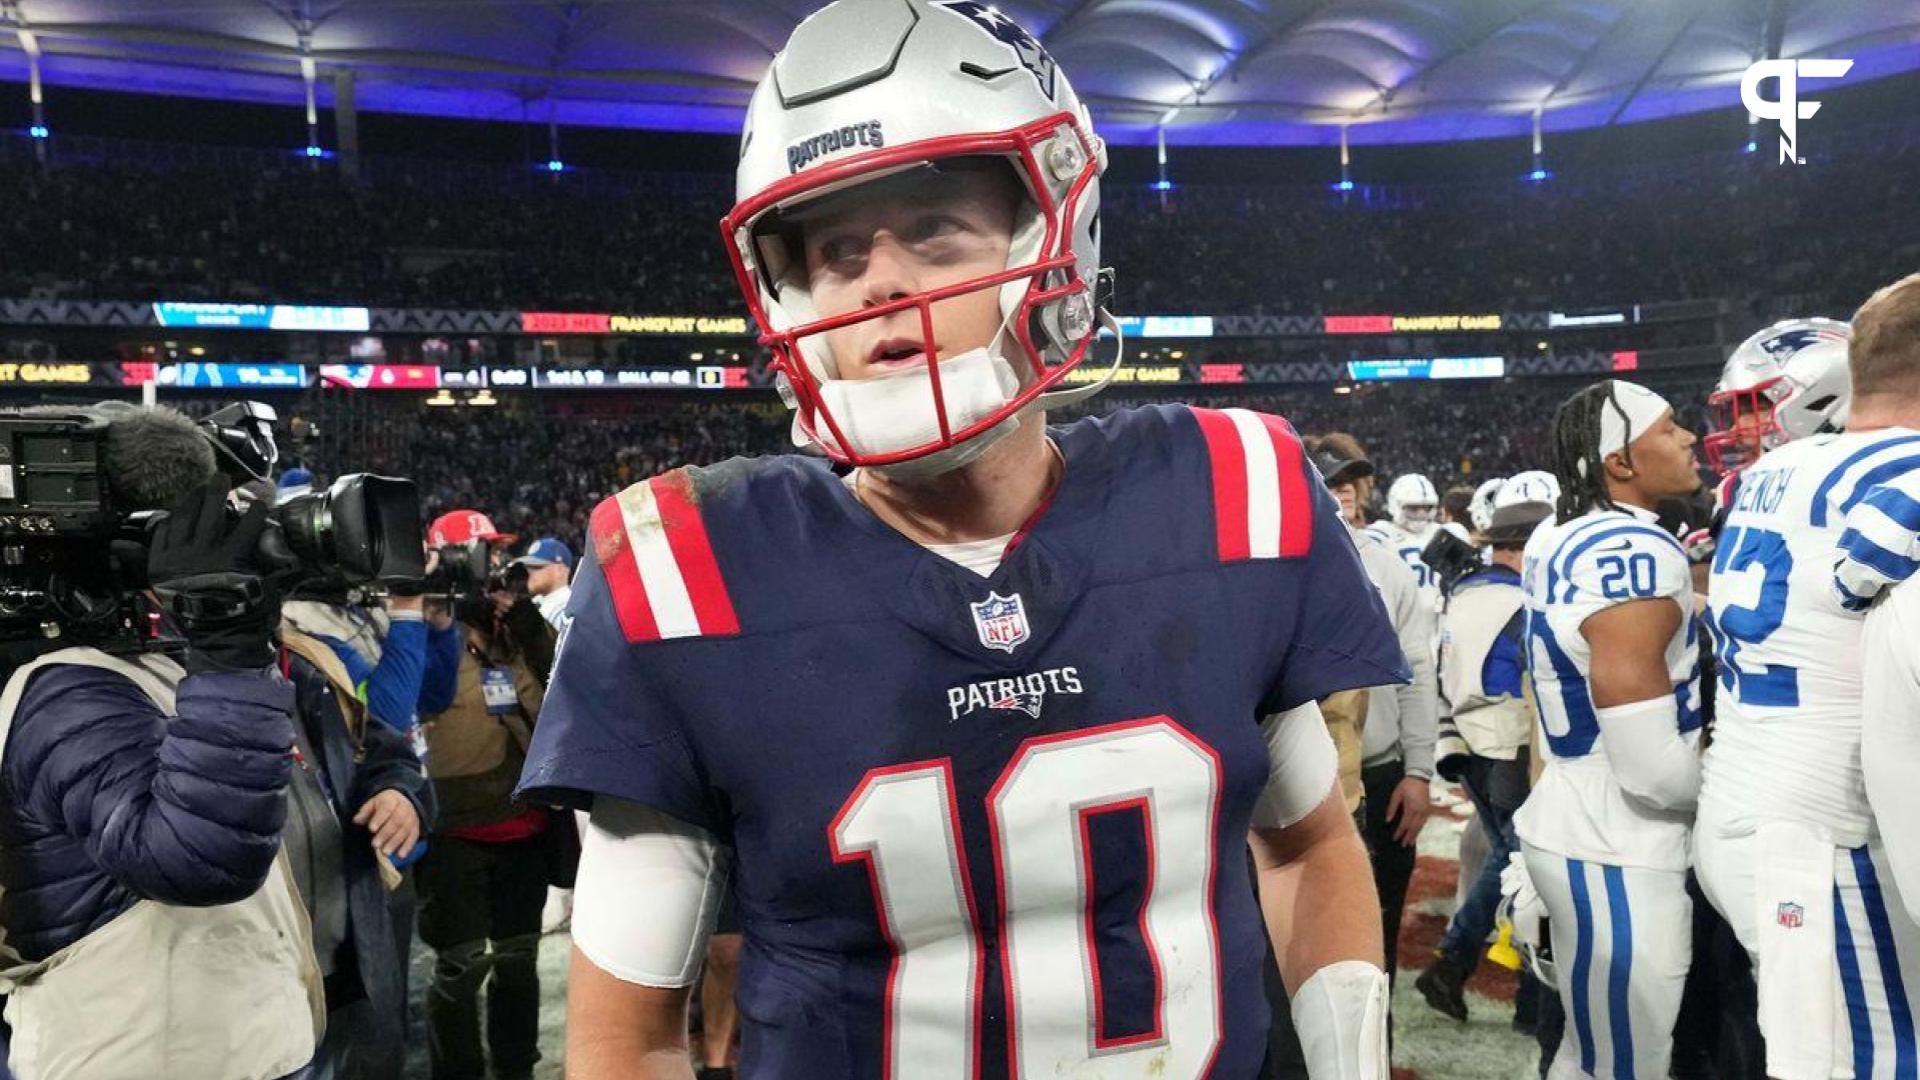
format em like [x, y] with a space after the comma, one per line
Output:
[1001, 622]
[1033, 56]
[1790, 342]
[1028, 703]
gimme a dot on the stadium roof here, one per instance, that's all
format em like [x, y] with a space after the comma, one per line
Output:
[1214, 72]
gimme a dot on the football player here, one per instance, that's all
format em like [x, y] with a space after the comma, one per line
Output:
[1785, 382]
[1786, 847]
[1882, 552]
[984, 727]
[1480, 510]
[1611, 647]
[1412, 508]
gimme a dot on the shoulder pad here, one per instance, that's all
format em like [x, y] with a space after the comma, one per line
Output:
[653, 548]
[1262, 504]
[1598, 560]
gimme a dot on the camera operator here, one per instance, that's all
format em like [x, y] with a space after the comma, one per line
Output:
[141, 811]
[1482, 659]
[383, 649]
[484, 879]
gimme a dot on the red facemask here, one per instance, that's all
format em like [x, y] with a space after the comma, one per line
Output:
[1055, 312]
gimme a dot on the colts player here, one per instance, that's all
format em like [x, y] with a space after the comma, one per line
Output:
[761, 659]
[1787, 846]
[1614, 656]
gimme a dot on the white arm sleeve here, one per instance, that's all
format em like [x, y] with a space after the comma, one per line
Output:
[1649, 757]
[1340, 1013]
[1890, 731]
[648, 892]
[1304, 766]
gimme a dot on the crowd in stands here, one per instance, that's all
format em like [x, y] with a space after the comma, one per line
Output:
[1729, 226]
[541, 472]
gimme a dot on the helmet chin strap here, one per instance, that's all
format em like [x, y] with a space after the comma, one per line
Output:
[954, 457]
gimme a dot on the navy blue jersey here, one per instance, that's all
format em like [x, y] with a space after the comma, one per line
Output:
[983, 827]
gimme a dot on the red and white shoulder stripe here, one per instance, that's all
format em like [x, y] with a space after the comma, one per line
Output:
[1262, 504]
[653, 547]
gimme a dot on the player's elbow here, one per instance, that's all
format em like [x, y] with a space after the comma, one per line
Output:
[1672, 785]
[614, 1027]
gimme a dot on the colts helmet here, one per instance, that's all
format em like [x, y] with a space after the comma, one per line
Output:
[1784, 383]
[1534, 485]
[894, 90]
[1480, 510]
[1411, 501]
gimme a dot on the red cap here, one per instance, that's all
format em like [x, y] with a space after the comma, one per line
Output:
[462, 526]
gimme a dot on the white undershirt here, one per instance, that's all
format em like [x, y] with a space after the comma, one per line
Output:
[980, 556]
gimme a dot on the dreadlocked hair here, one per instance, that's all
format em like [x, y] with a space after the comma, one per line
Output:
[1577, 460]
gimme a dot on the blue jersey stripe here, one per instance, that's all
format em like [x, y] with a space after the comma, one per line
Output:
[1561, 554]
[1887, 953]
[1902, 509]
[1620, 972]
[1878, 475]
[1851, 600]
[1820, 494]
[1856, 991]
[1582, 960]
[1888, 564]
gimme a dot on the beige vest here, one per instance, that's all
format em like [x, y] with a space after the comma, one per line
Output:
[475, 756]
[1493, 725]
[163, 992]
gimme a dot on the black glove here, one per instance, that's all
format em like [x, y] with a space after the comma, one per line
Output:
[203, 565]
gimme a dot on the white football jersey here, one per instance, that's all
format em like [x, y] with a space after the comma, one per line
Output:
[1408, 545]
[1786, 741]
[1571, 572]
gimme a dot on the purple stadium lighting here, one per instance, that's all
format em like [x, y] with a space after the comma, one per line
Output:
[1538, 175]
[556, 165]
[1344, 185]
[39, 131]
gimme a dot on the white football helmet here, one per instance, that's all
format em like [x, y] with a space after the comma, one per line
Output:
[1534, 485]
[1522, 909]
[1784, 383]
[1411, 502]
[899, 90]
[1480, 510]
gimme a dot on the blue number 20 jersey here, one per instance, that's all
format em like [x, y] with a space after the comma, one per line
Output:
[990, 826]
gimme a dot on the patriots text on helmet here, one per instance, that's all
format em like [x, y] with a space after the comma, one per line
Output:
[805, 152]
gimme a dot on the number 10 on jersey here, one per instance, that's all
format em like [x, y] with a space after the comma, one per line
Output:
[903, 823]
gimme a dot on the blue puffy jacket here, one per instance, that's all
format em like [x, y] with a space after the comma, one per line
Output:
[105, 801]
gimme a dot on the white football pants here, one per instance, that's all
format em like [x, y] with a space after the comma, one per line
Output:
[1875, 958]
[1622, 943]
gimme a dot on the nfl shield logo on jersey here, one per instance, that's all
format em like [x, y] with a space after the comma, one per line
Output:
[1001, 621]
[1791, 915]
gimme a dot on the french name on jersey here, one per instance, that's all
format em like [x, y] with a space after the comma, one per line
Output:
[1263, 506]
[1027, 693]
[653, 547]
[1761, 493]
